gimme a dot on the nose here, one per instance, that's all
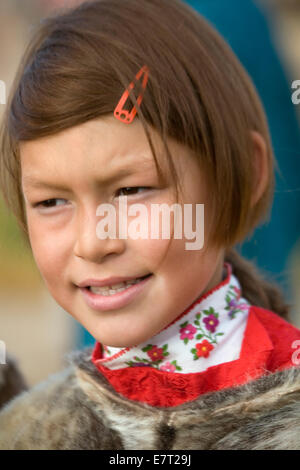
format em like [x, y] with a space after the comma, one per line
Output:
[87, 244]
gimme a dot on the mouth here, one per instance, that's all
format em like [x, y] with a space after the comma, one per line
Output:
[116, 288]
[117, 296]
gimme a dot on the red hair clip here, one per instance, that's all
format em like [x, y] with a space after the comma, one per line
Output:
[122, 114]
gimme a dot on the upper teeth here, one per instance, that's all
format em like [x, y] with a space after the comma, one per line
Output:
[108, 290]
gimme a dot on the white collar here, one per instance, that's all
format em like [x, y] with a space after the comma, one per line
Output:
[209, 332]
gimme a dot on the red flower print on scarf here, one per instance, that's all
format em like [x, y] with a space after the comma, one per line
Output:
[187, 331]
[156, 354]
[202, 349]
[168, 367]
[211, 323]
[206, 323]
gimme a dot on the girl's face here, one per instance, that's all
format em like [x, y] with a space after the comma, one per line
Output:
[65, 178]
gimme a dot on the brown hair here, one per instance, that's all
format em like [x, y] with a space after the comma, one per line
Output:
[76, 68]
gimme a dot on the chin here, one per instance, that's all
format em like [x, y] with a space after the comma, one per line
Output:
[122, 344]
[125, 342]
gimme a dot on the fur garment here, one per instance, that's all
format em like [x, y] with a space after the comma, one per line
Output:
[78, 409]
[12, 381]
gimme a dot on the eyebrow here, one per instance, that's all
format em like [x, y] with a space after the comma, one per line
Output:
[35, 182]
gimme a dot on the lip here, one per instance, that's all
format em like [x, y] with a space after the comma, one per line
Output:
[112, 302]
[109, 281]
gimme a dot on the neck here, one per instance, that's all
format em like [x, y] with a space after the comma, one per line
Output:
[218, 276]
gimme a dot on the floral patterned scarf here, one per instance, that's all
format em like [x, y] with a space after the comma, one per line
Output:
[209, 332]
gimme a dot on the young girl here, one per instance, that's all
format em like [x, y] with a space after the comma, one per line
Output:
[141, 102]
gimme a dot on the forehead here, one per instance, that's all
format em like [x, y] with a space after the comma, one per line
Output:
[97, 146]
[103, 148]
[105, 137]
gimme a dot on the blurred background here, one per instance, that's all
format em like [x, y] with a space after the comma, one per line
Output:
[265, 34]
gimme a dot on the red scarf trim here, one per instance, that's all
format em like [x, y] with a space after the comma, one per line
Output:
[165, 389]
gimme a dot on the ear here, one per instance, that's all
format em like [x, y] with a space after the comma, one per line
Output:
[260, 159]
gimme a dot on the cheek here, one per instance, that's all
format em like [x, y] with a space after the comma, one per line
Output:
[157, 244]
[150, 238]
[49, 251]
[148, 253]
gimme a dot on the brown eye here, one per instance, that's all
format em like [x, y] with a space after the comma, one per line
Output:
[49, 203]
[129, 191]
